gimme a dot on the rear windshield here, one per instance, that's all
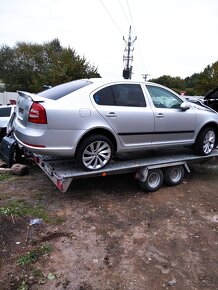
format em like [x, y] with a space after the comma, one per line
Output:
[5, 112]
[62, 90]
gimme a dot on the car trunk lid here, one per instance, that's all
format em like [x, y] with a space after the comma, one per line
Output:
[29, 108]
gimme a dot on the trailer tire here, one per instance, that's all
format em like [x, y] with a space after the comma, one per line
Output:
[95, 152]
[153, 181]
[174, 175]
[205, 141]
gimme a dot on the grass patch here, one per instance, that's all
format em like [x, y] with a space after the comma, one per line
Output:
[22, 209]
[32, 256]
[23, 286]
[5, 176]
[37, 273]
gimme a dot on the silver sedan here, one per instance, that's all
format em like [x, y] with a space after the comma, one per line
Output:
[93, 119]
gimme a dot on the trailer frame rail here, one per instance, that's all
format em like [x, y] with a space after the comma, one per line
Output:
[62, 171]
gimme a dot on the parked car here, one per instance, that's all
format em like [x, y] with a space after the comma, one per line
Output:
[93, 119]
[5, 115]
[211, 99]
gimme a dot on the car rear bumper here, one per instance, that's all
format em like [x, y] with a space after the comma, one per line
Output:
[50, 145]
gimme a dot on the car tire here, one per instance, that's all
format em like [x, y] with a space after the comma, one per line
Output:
[95, 152]
[205, 141]
[153, 181]
[174, 175]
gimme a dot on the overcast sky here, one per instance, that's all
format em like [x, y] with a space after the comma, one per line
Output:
[174, 37]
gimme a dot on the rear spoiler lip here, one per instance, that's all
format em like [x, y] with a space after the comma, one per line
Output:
[34, 98]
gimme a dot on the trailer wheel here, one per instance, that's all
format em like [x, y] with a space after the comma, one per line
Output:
[154, 180]
[174, 175]
[205, 141]
[94, 152]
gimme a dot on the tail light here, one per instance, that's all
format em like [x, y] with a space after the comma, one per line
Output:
[37, 114]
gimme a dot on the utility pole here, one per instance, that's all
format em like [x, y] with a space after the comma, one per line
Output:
[145, 77]
[128, 56]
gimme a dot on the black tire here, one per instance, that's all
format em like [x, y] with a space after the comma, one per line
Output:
[153, 181]
[94, 152]
[205, 142]
[174, 175]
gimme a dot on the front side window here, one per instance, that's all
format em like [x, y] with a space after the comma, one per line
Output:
[130, 95]
[163, 98]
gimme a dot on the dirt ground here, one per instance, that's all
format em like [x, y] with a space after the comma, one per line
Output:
[107, 233]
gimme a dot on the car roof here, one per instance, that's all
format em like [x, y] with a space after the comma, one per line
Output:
[103, 81]
[115, 80]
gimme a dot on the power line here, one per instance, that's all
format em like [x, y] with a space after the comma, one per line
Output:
[112, 19]
[130, 14]
[138, 40]
[127, 18]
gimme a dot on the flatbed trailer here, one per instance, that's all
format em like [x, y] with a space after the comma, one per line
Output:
[151, 170]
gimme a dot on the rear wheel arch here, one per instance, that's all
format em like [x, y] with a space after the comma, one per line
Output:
[98, 131]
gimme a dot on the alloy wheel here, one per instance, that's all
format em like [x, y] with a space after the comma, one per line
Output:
[96, 155]
[209, 142]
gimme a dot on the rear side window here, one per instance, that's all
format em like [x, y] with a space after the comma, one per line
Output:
[62, 90]
[129, 95]
[104, 97]
[5, 112]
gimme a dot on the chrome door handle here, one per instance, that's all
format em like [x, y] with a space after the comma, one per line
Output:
[111, 115]
[160, 115]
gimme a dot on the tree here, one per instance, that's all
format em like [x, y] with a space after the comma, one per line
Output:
[175, 83]
[28, 66]
[196, 84]
[191, 84]
[208, 79]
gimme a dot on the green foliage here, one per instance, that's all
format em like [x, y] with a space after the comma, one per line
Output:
[172, 82]
[19, 208]
[208, 79]
[32, 256]
[29, 66]
[5, 176]
[197, 84]
[37, 273]
[23, 286]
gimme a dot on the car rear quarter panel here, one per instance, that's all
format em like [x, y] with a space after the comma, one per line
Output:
[68, 120]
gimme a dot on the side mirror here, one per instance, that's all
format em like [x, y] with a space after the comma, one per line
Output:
[185, 106]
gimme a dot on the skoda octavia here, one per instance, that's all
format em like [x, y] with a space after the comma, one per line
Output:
[93, 119]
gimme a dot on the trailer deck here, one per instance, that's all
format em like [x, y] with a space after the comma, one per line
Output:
[63, 171]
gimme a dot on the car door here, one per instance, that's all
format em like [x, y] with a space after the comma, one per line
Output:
[124, 108]
[5, 112]
[172, 124]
